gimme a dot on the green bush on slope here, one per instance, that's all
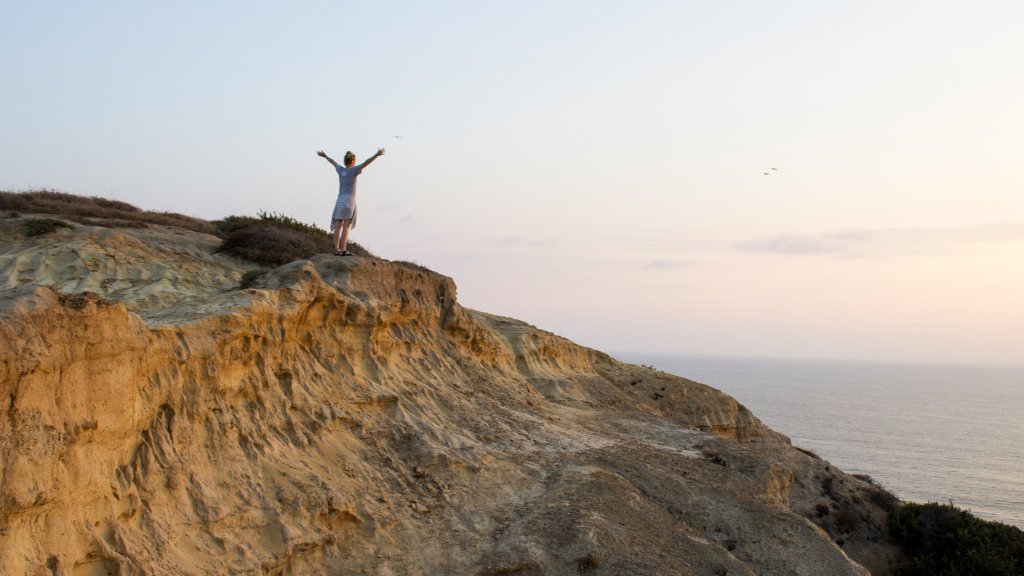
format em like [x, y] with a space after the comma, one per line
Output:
[943, 540]
[41, 226]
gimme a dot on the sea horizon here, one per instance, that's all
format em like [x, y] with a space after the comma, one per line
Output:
[927, 431]
[812, 359]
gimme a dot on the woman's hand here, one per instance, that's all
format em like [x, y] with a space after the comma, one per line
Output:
[380, 151]
[321, 154]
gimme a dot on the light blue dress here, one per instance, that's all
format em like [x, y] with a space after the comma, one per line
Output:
[345, 205]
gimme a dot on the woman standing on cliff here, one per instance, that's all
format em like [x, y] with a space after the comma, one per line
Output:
[344, 216]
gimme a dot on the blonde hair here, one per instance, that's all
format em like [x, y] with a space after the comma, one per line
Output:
[350, 158]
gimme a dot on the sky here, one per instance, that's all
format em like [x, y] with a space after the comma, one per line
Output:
[596, 169]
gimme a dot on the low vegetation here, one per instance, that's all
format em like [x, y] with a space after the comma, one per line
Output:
[41, 226]
[273, 239]
[270, 239]
[943, 540]
[810, 453]
[250, 278]
[846, 519]
[878, 495]
[95, 211]
[412, 265]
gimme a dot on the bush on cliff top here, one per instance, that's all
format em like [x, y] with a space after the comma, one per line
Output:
[95, 211]
[943, 540]
[274, 239]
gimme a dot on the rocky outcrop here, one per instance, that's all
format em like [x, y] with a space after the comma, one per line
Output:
[349, 416]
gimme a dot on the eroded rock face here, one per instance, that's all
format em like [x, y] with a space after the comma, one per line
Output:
[347, 416]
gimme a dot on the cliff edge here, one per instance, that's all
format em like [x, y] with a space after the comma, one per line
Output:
[349, 416]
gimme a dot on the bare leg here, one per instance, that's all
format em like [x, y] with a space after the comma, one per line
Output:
[345, 224]
[337, 235]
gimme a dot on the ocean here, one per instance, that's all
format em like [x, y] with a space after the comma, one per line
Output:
[927, 432]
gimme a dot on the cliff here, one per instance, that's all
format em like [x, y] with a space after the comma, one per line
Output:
[349, 416]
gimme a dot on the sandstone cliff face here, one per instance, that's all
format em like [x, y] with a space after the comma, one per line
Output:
[348, 416]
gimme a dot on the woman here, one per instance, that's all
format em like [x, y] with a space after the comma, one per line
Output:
[344, 216]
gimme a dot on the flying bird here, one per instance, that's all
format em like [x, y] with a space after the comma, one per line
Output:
[397, 136]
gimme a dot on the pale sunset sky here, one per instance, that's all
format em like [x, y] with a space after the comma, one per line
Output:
[593, 168]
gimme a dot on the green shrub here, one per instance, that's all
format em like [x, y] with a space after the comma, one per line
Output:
[293, 224]
[230, 224]
[40, 226]
[273, 245]
[943, 540]
[311, 230]
[274, 239]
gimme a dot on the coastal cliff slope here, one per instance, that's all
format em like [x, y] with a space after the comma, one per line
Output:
[349, 416]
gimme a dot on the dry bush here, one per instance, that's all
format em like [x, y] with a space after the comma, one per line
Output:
[828, 488]
[882, 498]
[359, 250]
[714, 457]
[95, 211]
[846, 520]
[810, 453]
[250, 278]
[877, 494]
[412, 265]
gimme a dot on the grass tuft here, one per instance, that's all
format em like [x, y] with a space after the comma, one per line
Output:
[250, 278]
[412, 265]
[41, 226]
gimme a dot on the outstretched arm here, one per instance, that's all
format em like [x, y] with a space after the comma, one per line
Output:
[380, 152]
[321, 154]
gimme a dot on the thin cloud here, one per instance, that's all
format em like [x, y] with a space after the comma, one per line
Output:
[407, 219]
[665, 264]
[847, 244]
[516, 240]
[795, 244]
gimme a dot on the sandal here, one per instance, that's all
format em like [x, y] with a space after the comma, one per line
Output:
[337, 252]
[345, 253]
